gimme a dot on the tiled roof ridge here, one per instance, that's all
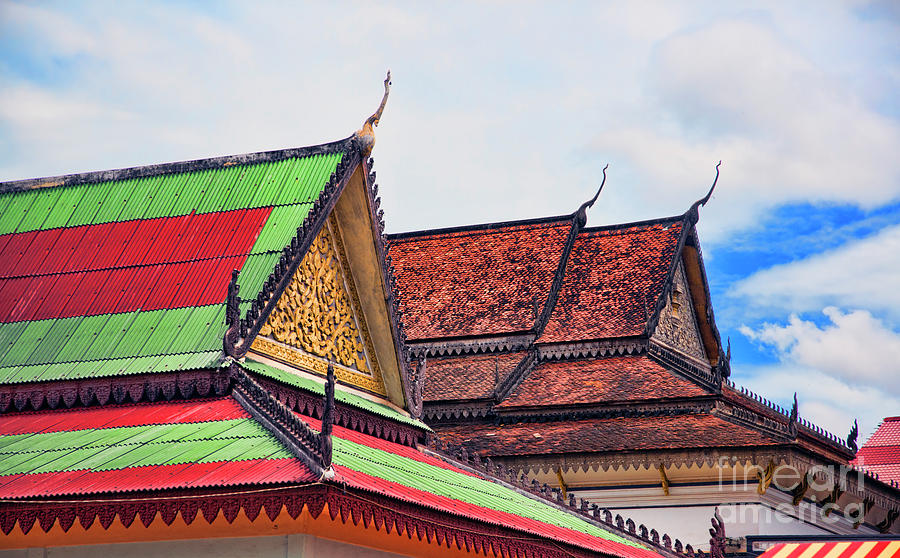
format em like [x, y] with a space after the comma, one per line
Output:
[176, 167]
[521, 371]
[625, 228]
[592, 513]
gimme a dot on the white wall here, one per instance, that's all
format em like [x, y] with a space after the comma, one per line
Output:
[288, 546]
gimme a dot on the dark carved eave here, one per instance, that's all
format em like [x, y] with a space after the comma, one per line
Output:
[113, 390]
[352, 418]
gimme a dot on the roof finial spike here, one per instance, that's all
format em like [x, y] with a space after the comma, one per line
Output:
[702, 201]
[581, 214]
[366, 135]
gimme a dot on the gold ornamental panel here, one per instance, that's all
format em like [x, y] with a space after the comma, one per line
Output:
[317, 318]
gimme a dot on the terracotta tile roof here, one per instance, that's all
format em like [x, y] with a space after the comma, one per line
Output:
[478, 281]
[467, 376]
[599, 380]
[613, 277]
[603, 435]
[881, 452]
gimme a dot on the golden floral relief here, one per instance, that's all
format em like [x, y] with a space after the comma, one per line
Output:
[315, 312]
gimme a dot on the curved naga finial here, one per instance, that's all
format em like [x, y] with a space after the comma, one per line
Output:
[702, 201]
[366, 134]
[582, 211]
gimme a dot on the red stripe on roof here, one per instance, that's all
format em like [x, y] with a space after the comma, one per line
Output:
[156, 477]
[151, 264]
[113, 416]
[472, 511]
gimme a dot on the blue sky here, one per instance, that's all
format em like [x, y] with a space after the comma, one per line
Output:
[507, 110]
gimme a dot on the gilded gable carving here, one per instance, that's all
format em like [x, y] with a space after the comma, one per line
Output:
[677, 327]
[316, 320]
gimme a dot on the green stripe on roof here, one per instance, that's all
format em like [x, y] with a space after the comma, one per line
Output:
[290, 181]
[103, 449]
[351, 399]
[109, 367]
[451, 484]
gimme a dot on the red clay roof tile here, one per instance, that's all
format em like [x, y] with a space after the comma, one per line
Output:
[603, 435]
[881, 452]
[613, 279]
[599, 380]
[467, 376]
[476, 282]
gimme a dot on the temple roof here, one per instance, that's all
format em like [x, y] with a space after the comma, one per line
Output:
[129, 301]
[589, 381]
[613, 279]
[617, 434]
[880, 455]
[473, 281]
[122, 449]
[126, 272]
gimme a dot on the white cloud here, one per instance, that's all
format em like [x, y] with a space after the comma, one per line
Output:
[855, 347]
[842, 370]
[860, 274]
[787, 129]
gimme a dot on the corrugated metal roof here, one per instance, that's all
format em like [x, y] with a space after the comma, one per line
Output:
[192, 444]
[131, 275]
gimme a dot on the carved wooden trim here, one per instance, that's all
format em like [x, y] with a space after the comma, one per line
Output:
[112, 390]
[310, 447]
[348, 417]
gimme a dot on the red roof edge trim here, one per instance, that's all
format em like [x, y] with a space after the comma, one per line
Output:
[503, 519]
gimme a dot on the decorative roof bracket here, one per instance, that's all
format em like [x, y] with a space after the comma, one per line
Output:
[313, 449]
[852, 437]
[717, 536]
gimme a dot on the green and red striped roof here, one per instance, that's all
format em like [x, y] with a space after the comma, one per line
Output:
[214, 442]
[127, 272]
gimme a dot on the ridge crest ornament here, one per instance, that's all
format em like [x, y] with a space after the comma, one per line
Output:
[316, 320]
